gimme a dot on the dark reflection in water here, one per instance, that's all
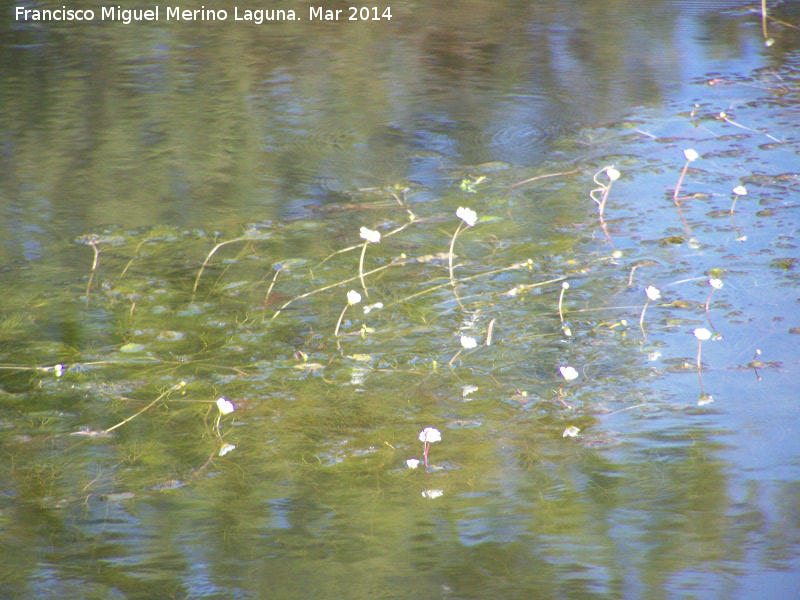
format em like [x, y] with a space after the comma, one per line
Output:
[191, 122]
[164, 139]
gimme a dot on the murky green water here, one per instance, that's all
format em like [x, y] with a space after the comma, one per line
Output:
[181, 206]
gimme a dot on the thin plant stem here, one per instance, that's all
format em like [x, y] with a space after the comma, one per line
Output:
[723, 117]
[764, 19]
[699, 366]
[677, 200]
[708, 301]
[450, 262]
[756, 363]
[733, 204]
[489, 331]
[175, 387]
[411, 216]
[641, 319]
[560, 300]
[271, 285]
[339, 322]
[471, 277]
[130, 262]
[542, 177]
[361, 268]
[208, 258]
[394, 263]
[93, 244]
[601, 204]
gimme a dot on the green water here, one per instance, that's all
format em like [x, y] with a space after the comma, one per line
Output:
[181, 210]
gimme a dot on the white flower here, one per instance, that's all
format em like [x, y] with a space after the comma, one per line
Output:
[371, 236]
[740, 190]
[353, 297]
[59, 369]
[431, 494]
[468, 342]
[371, 307]
[565, 285]
[412, 463]
[226, 448]
[430, 435]
[705, 399]
[568, 373]
[225, 406]
[467, 215]
[468, 389]
[612, 173]
[652, 293]
[571, 431]
[691, 155]
[715, 283]
[702, 334]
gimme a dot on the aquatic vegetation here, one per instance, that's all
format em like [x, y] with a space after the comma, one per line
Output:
[716, 284]
[225, 408]
[564, 287]
[353, 297]
[370, 237]
[738, 191]
[428, 436]
[605, 189]
[702, 334]
[468, 217]
[569, 374]
[653, 294]
[690, 156]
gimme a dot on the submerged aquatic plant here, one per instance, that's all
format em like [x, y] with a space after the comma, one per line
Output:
[428, 436]
[353, 297]
[370, 237]
[652, 294]
[739, 190]
[690, 156]
[564, 327]
[568, 373]
[715, 284]
[225, 407]
[467, 343]
[612, 175]
[702, 334]
[468, 217]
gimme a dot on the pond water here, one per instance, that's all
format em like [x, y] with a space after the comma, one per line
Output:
[182, 204]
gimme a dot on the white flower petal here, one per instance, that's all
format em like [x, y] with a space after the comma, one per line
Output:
[371, 236]
[691, 155]
[468, 342]
[353, 297]
[568, 373]
[225, 406]
[226, 448]
[740, 190]
[715, 283]
[571, 431]
[702, 334]
[431, 494]
[652, 293]
[612, 173]
[412, 463]
[430, 435]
